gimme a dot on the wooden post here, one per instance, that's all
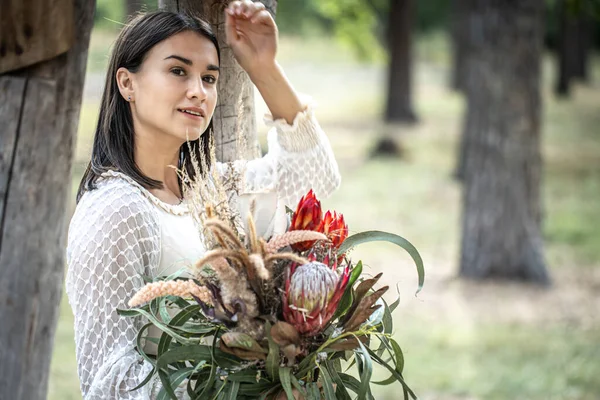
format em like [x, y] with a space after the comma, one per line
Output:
[234, 121]
[39, 112]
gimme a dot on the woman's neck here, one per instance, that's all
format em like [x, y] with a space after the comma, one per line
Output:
[157, 158]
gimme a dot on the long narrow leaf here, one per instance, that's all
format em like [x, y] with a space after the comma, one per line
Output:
[328, 389]
[286, 381]
[376, 236]
[213, 371]
[232, 393]
[166, 383]
[398, 376]
[363, 357]
[340, 391]
[196, 352]
[273, 358]
[175, 380]
[350, 382]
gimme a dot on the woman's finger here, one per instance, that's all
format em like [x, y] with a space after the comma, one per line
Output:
[230, 27]
[235, 7]
[247, 8]
[254, 9]
[263, 17]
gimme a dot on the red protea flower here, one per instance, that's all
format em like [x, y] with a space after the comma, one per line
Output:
[308, 216]
[335, 228]
[311, 296]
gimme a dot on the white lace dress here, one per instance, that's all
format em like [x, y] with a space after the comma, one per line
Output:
[120, 232]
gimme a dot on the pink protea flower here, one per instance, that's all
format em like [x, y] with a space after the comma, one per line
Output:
[312, 293]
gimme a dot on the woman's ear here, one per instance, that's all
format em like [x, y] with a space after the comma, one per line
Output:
[125, 82]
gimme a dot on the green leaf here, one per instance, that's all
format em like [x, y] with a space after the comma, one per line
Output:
[298, 387]
[232, 391]
[286, 381]
[198, 376]
[395, 373]
[166, 384]
[197, 352]
[344, 304]
[387, 320]
[340, 391]
[355, 274]
[178, 320]
[328, 389]
[255, 389]
[364, 358]
[175, 379]
[350, 382]
[162, 310]
[273, 358]
[375, 236]
[399, 356]
[312, 391]
[245, 376]
[396, 302]
[160, 325]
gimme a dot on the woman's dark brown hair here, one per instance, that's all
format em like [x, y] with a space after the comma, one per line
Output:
[113, 146]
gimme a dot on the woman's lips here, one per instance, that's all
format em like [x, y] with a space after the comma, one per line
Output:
[189, 115]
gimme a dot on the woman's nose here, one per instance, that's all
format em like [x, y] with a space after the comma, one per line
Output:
[197, 89]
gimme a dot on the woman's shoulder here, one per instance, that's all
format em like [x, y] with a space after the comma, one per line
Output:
[115, 200]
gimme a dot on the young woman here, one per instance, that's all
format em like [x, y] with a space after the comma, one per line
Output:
[131, 218]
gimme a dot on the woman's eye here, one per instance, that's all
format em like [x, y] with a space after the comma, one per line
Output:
[210, 79]
[178, 71]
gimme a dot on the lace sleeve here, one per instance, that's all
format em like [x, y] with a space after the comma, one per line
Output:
[300, 158]
[113, 240]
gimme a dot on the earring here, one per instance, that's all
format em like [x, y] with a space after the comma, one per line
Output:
[129, 98]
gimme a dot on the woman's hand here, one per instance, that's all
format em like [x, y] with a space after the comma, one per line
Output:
[252, 35]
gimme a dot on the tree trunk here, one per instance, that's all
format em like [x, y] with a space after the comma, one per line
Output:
[584, 43]
[501, 234]
[574, 43]
[567, 51]
[459, 26]
[39, 113]
[399, 96]
[234, 121]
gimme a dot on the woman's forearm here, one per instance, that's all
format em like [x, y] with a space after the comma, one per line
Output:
[277, 92]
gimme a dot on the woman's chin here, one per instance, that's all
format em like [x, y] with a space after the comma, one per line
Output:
[190, 133]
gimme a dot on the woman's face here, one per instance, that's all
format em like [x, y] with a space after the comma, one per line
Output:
[175, 90]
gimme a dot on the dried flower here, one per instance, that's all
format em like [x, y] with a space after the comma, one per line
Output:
[292, 237]
[181, 288]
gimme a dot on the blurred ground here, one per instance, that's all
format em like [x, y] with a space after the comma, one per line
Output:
[461, 339]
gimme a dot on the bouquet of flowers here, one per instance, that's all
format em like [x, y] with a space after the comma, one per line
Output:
[274, 317]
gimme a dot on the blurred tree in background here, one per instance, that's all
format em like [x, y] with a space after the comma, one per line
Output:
[501, 228]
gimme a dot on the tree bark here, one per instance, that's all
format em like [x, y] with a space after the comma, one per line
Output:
[573, 50]
[459, 26]
[234, 121]
[39, 113]
[501, 233]
[566, 51]
[399, 94]
[584, 43]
